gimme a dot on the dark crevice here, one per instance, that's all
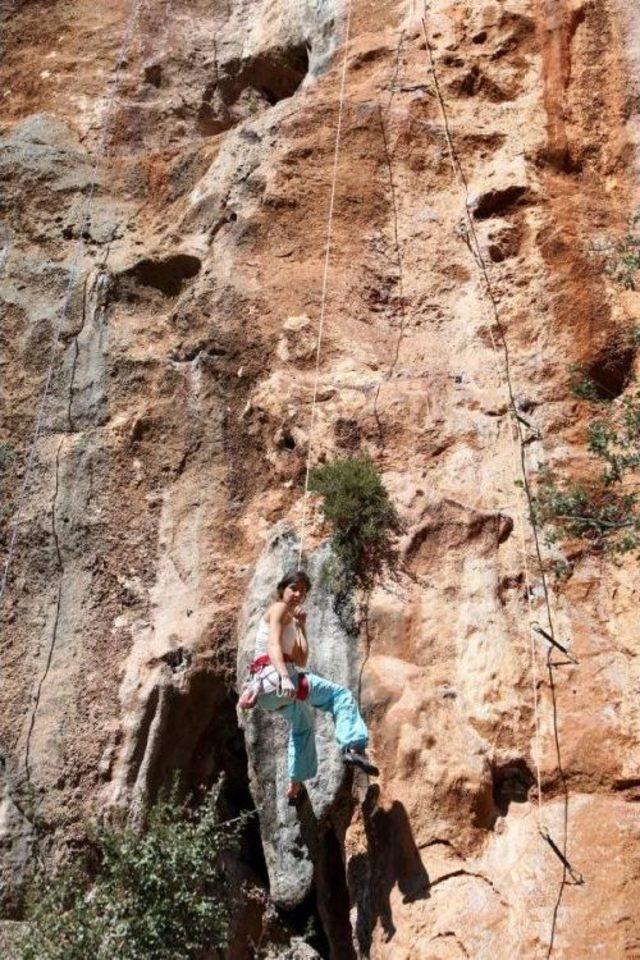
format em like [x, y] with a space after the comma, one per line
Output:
[168, 275]
[56, 617]
[189, 737]
[611, 371]
[327, 908]
[510, 782]
[495, 203]
[245, 87]
[142, 739]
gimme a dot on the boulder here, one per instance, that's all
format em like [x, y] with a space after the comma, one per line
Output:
[334, 654]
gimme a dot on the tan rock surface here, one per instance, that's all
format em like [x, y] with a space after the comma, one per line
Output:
[174, 435]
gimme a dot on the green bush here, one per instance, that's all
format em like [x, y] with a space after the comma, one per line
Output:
[363, 520]
[622, 260]
[601, 517]
[604, 511]
[157, 895]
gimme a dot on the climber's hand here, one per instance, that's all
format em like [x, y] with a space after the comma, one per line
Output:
[287, 689]
[300, 617]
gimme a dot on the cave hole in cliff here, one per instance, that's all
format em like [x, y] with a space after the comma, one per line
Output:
[511, 784]
[168, 275]
[611, 370]
[247, 86]
[195, 735]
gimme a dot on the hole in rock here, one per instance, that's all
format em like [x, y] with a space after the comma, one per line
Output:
[190, 728]
[611, 371]
[511, 784]
[495, 202]
[167, 275]
[333, 896]
[246, 87]
[288, 442]
[153, 74]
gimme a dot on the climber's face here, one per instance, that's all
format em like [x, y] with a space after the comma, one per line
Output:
[295, 595]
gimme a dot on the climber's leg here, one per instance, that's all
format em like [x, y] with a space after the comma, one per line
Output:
[303, 758]
[351, 730]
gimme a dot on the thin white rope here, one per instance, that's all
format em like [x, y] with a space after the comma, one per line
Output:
[325, 280]
[477, 254]
[83, 225]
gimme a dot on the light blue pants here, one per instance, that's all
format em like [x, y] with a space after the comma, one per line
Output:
[350, 728]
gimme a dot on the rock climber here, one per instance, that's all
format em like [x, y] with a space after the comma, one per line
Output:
[279, 682]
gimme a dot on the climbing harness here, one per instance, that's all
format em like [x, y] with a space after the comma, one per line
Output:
[264, 679]
[83, 226]
[325, 279]
[473, 243]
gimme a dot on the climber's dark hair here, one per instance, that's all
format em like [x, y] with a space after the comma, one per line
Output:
[290, 578]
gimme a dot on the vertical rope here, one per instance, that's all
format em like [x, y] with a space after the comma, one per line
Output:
[518, 440]
[325, 280]
[83, 225]
[505, 374]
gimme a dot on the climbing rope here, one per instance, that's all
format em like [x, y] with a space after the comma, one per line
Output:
[325, 279]
[83, 225]
[518, 439]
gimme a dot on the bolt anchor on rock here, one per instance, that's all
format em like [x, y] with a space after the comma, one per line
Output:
[555, 643]
[576, 876]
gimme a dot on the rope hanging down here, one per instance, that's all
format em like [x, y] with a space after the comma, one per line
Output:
[325, 279]
[83, 225]
[473, 243]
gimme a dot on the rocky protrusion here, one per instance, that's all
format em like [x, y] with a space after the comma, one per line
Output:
[334, 654]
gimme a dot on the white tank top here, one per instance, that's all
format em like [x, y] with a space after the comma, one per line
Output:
[289, 637]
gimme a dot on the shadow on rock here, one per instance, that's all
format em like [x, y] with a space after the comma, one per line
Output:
[392, 859]
[324, 840]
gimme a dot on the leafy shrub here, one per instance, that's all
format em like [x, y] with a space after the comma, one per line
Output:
[593, 513]
[622, 259]
[604, 511]
[157, 895]
[363, 519]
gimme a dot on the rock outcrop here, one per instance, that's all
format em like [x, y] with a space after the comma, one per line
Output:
[166, 172]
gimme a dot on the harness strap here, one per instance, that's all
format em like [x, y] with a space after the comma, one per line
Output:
[265, 661]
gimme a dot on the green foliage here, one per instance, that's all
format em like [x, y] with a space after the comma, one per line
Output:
[600, 516]
[622, 260]
[604, 511]
[363, 520]
[158, 895]
[616, 439]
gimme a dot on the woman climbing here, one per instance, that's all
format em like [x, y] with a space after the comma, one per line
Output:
[279, 682]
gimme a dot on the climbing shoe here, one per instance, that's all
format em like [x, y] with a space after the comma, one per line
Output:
[358, 758]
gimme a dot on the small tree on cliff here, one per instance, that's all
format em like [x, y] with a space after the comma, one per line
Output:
[363, 520]
[157, 895]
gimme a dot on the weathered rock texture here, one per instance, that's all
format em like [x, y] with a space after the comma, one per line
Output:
[185, 288]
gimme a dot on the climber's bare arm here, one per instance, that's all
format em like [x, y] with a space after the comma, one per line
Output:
[274, 647]
[300, 652]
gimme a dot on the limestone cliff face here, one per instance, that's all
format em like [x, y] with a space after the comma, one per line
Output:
[166, 169]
